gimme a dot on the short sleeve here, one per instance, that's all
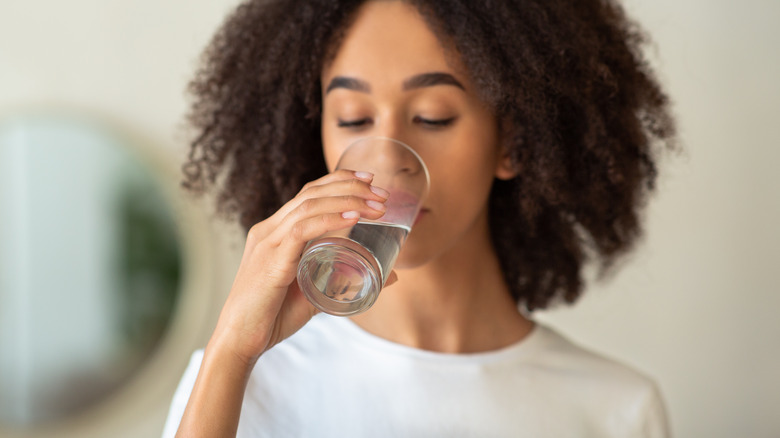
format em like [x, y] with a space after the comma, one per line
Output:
[182, 395]
[654, 421]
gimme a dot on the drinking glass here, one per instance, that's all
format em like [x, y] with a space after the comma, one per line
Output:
[342, 272]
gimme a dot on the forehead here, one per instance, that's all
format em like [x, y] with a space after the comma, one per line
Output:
[389, 41]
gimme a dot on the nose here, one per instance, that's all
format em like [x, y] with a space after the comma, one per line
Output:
[404, 159]
[392, 162]
[410, 163]
[396, 157]
[404, 173]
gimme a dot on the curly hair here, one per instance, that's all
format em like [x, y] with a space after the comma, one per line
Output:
[585, 116]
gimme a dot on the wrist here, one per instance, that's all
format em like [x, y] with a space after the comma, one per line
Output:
[215, 402]
[228, 355]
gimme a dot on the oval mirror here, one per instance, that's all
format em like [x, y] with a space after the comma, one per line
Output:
[90, 266]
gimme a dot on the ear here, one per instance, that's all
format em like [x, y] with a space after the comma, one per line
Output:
[505, 169]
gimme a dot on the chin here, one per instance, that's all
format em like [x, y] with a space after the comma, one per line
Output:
[413, 256]
[403, 264]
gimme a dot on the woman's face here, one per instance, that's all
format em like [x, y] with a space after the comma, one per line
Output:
[392, 77]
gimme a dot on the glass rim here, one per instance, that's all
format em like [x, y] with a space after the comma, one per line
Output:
[399, 142]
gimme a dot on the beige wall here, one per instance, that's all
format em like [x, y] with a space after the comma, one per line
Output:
[695, 307]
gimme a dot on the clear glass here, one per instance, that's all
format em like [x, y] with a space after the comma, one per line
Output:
[342, 272]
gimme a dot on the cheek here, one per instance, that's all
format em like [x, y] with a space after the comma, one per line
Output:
[332, 148]
[462, 189]
[331, 157]
[459, 195]
[466, 170]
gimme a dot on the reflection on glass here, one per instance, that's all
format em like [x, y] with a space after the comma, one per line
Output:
[89, 266]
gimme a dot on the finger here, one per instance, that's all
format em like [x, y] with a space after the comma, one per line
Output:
[312, 208]
[278, 259]
[301, 232]
[339, 175]
[352, 182]
[349, 187]
[366, 200]
[392, 278]
[352, 186]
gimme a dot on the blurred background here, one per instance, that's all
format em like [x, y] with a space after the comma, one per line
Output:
[110, 277]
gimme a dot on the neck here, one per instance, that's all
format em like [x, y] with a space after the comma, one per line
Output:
[457, 303]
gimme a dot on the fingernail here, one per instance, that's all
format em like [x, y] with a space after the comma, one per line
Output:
[350, 215]
[376, 205]
[364, 175]
[380, 192]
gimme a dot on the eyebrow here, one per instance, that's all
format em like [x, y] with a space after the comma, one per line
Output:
[349, 84]
[417, 81]
[431, 79]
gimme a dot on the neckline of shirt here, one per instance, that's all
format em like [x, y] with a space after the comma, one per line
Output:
[525, 347]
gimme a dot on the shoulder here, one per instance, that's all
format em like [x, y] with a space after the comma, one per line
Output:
[625, 397]
[182, 395]
[561, 355]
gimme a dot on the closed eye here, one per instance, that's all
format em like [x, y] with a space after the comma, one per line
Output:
[352, 123]
[434, 123]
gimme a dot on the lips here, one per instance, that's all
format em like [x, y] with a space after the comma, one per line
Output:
[401, 199]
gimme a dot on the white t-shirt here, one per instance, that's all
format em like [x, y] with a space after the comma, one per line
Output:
[333, 379]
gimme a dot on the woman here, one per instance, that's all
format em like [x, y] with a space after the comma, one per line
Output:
[537, 121]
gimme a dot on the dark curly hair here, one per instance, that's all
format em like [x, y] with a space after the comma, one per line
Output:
[586, 119]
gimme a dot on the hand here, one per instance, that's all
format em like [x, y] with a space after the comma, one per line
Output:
[265, 304]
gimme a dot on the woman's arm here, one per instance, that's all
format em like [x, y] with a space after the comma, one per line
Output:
[265, 304]
[215, 402]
